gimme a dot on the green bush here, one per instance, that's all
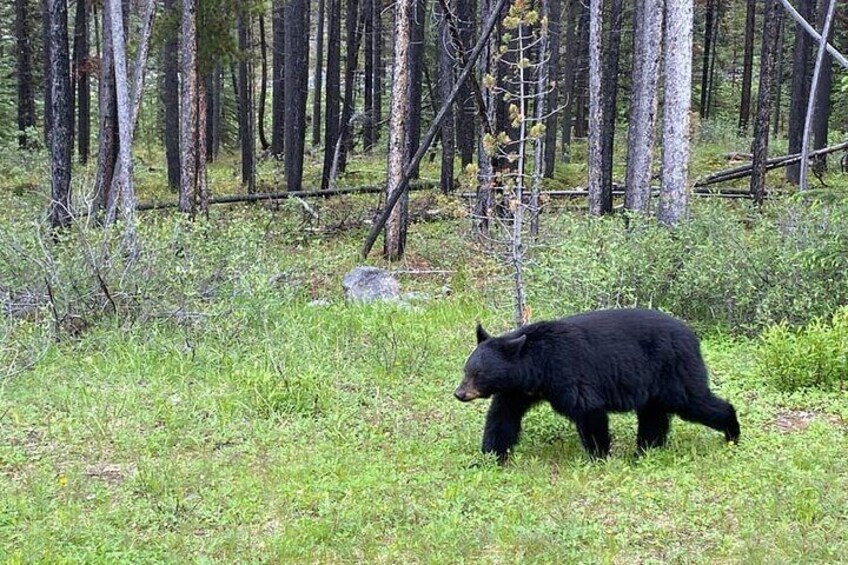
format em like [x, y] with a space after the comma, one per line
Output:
[815, 356]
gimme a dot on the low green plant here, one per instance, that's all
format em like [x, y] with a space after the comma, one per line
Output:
[814, 356]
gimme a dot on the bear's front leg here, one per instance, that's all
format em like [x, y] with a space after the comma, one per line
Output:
[503, 423]
[593, 428]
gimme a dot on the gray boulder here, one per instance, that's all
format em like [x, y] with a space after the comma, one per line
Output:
[368, 284]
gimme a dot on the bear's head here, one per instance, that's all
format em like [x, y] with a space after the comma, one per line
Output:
[488, 368]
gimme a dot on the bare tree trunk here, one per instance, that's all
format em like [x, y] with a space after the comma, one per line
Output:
[202, 192]
[677, 102]
[541, 95]
[596, 110]
[416, 69]
[60, 98]
[821, 115]
[246, 121]
[568, 87]
[709, 23]
[124, 164]
[80, 74]
[445, 57]
[379, 70]
[352, 52]
[814, 89]
[465, 111]
[647, 38]
[333, 94]
[26, 97]
[764, 98]
[171, 103]
[278, 82]
[107, 153]
[485, 203]
[296, 78]
[609, 87]
[263, 82]
[368, 95]
[555, 18]
[778, 87]
[319, 77]
[800, 89]
[395, 238]
[188, 106]
[747, 66]
[48, 70]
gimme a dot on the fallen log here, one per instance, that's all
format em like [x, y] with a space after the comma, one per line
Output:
[583, 193]
[261, 196]
[743, 171]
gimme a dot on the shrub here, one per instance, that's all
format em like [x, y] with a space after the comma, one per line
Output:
[815, 356]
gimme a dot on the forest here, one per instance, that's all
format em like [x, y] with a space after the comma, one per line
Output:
[244, 245]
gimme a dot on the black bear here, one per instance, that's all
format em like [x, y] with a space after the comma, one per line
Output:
[591, 364]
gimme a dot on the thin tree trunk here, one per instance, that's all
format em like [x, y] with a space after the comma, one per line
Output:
[778, 87]
[331, 118]
[354, 34]
[26, 97]
[485, 203]
[80, 73]
[747, 66]
[188, 107]
[296, 69]
[555, 18]
[465, 111]
[107, 153]
[821, 113]
[60, 98]
[610, 96]
[319, 77]
[368, 95]
[764, 99]
[541, 95]
[709, 23]
[596, 110]
[278, 82]
[416, 70]
[800, 89]
[814, 88]
[568, 87]
[395, 238]
[647, 39]
[677, 102]
[246, 121]
[171, 103]
[378, 68]
[202, 191]
[263, 82]
[445, 74]
[48, 71]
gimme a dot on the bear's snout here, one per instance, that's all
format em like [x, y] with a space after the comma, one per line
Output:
[464, 394]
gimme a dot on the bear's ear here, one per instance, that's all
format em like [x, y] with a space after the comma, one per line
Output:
[512, 347]
[482, 335]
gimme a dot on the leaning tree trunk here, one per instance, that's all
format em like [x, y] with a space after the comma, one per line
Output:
[764, 99]
[747, 66]
[319, 77]
[296, 73]
[60, 99]
[26, 97]
[647, 38]
[333, 93]
[445, 59]
[677, 102]
[395, 238]
[246, 121]
[596, 110]
[171, 104]
[800, 88]
[278, 106]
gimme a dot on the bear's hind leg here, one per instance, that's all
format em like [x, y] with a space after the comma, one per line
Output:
[715, 413]
[653, 427]
[593, 428]
[503, 423]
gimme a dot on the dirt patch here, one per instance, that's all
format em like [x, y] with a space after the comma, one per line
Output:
[112, 474]
[790, 421]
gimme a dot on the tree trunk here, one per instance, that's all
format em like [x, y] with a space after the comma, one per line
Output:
[610, 96]
[188, 106]
[171, 103]
[596, 110]
[709, 23]
[331, 118]
[485, 203]
[647, 38]
[60, 98]
[677, 103]
[572, 50]
[263, 82]
[747, 66]
[395, 238]
[445, 74]
[800, 89]
[26, 97]
[416, 71]
[107, 153]
[778, 87]
[821, 113]
[555, 18]
[764, 99]
[319, 77]
[354, 34]
[246, 120]
[80, 75]
[541, 96]
[296, 69]
[278, 82]
[379, 69]
[48, 71]
[465, 111]
[202, 191]
[368, 95]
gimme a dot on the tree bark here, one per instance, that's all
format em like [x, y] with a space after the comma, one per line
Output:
[319, 76]
[465, 110]
[709, 23]
[333, 94]
[395, 239]
[107, 153]
[368, 55]
[278, 82]
[596, 110]
[568, 84]
[416, 71]
[677, 103]
[296, 78]
[48, 71]
[747, 66]
[764, 99]
[171, 104]
[26, 97]
[188, 106]
[379, 70]
[609, 87]
[778, 87]
[555, 18]
[354, 34]
[80, 74]
[263, 82]
[821, 113]
[246, 119]
[445, 74]
[60, 98]
[800, 89]
[647, 38]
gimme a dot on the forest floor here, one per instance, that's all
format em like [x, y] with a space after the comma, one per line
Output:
[237, 409]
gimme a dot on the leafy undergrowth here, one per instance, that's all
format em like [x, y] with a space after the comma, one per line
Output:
[280, 430]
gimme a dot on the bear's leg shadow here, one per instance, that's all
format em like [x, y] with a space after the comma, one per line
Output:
[503, 423]
[715, 413]
[593, 428]
[653, 427]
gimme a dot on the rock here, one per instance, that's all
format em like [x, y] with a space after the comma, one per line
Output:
[320, 302]
[370, 283]
[416, 296]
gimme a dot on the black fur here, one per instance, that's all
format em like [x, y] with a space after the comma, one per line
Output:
[591, 364]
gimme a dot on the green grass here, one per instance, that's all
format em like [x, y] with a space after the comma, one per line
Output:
[273, 430]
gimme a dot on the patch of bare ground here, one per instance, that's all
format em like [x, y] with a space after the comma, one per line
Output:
[789, 421]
